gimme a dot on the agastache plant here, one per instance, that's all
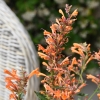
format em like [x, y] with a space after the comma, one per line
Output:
[17, 84]
[61, 82]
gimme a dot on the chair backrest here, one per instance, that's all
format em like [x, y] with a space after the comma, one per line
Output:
[16, 50]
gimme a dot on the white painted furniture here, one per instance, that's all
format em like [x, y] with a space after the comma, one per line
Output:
[16, 50]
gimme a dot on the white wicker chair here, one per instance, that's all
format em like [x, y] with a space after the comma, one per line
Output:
[16, 50]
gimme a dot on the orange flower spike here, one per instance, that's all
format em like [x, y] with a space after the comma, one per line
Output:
[35, 72]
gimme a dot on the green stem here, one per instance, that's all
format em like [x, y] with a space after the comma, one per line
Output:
[81, 78]
[93, 93]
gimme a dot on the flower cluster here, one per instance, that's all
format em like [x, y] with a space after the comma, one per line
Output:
[17, 84]
[61, 82]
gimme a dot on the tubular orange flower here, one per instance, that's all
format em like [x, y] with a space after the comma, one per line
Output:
[97, 55]
[64, 96]
[68, 28]
[57, 94]
[60, 11]
[71, 66]
[89, 59]
[75, 13]
[93, 78]
[46, 33]
[13, 74]
[98, 95]
[44, 56]
[41, 48]
[79, 51]
[48, 88]
[11, 85]
[35, 72]
[13, 96]
[65, 62]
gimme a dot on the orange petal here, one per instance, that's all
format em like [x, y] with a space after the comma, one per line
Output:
[40, 47]
[65, 61]
[13, 96]
[13, 74]
[75, 13]
[44, 56]
[60, 11]
[48, 88]
[35, 72]
[10, 84]
[8, 72]
[46, 33]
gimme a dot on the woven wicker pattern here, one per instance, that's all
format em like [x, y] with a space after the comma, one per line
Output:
[16, 50]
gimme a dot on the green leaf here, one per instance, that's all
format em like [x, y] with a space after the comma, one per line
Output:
[41, 96]
[82, 94]
[20, 96]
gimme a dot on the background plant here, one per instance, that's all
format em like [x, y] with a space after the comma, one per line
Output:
[36, 14]
[61, 83]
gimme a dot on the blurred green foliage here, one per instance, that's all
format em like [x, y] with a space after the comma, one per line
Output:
[37, 15]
